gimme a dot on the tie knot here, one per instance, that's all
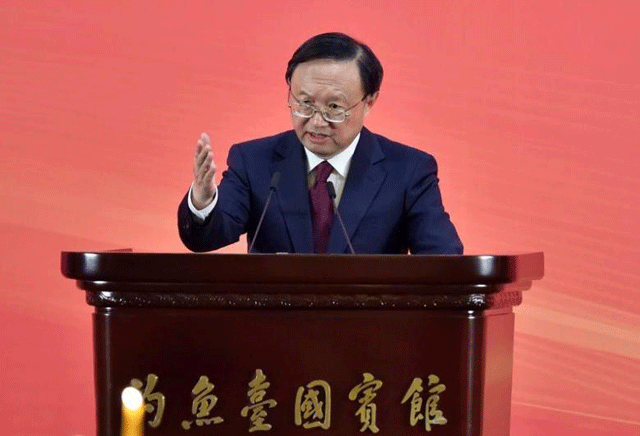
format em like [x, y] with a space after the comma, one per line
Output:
[323, 171]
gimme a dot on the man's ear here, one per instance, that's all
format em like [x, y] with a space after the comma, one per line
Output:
[369, 102]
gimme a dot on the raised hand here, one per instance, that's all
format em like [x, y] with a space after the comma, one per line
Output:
[204, 169]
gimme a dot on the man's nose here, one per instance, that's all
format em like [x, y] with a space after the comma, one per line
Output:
[318, 120]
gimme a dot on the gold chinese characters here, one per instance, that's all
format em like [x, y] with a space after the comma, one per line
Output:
[257, 391]
[313, 405]
[202, 405]
[154, 401]
[312, 408]
[365, 393]
[431, 415]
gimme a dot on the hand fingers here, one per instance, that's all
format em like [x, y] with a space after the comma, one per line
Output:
[203, 157]
[204, 170]
[205, 138]
[203, 141]
[202, 152]
[207, 178]
[205, 166]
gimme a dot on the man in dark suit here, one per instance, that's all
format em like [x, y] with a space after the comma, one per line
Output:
[387, 193]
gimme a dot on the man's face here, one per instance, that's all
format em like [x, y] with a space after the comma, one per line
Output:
[326, 83]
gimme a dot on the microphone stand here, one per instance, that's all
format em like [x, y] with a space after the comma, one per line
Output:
[332, 195]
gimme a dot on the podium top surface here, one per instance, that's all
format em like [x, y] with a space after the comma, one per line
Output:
[302, 280]
[301, 268]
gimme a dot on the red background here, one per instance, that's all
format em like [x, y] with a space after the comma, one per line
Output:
[531, 108]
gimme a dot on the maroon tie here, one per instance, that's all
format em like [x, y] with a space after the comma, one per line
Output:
[321, 208]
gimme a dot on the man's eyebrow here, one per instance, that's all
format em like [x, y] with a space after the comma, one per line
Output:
[337, 96]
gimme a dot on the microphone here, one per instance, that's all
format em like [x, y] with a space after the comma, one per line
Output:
[332, 195]
[272, 188]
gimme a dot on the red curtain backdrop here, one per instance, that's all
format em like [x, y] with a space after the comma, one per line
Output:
[531, 108]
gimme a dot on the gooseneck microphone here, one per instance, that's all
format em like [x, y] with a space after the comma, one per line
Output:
[332, 195]
[272, 188]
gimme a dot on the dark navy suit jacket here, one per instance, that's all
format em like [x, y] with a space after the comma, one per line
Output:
[390, 203]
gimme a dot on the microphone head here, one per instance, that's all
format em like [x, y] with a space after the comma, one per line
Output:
[332, 190]
[274, 180]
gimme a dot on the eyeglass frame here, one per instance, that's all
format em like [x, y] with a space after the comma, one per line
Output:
[322, 111]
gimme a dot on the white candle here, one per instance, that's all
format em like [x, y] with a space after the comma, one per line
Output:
[132, 412]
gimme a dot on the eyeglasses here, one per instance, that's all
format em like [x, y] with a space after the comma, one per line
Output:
[332, 114]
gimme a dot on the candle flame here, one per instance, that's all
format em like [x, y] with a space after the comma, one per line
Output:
[132, 398]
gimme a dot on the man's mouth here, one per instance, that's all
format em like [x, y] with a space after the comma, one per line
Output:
[317, 137]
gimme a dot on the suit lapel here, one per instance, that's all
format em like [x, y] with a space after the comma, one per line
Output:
[293, 192]
[365, 177]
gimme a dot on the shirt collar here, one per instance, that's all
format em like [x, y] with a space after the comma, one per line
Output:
[339, 162]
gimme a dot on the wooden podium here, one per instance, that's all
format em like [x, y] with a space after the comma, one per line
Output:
[305, 344]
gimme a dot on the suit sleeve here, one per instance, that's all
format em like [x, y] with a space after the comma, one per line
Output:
[429, 228]
[228, 220]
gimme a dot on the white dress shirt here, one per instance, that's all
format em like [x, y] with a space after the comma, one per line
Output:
[341, 163]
